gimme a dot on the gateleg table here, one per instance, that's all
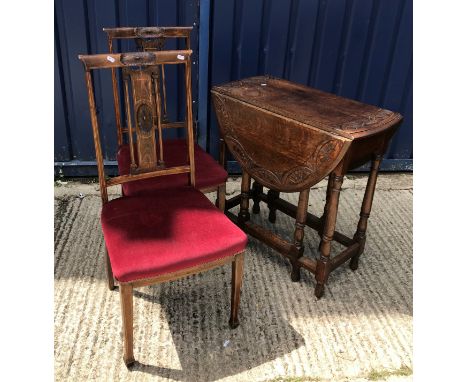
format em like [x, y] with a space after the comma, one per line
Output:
[288, 137]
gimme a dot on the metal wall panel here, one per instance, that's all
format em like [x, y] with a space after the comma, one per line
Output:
[78, 30]
[361, 49]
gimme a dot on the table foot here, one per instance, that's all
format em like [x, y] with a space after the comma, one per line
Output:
[319, 289]
[295, 274]
[354, 263]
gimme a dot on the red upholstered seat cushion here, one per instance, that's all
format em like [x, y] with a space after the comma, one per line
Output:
[208, 173]
[168, 231]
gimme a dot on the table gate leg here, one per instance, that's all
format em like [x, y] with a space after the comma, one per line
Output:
[244, 204]
[257, 189]
[272, 196]
[360, 235]
[327, 203]
[301, 216]
[323, 268]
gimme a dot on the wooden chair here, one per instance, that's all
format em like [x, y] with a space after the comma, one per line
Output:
[210, 175]
[171, 233]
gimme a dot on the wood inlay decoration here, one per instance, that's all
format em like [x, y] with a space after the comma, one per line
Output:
[143, 58]
[143, 108]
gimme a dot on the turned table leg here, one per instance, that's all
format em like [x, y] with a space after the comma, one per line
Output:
[301, 216]
[244, 203]
[272, 196]
[360, 235]
[323, 268]
[257, 189]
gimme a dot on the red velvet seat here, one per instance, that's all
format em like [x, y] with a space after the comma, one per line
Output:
[208, 173]
[147, 236]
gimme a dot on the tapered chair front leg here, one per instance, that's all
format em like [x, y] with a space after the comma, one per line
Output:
[236, 284]
[126, 303]
[110, 275]
[221, 197]
[360, 235]
[323, 268]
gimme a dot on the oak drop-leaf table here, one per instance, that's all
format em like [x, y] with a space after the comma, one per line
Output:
[288, 137]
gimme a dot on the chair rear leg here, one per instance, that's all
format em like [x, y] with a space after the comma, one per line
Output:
[236, 284]
[126, 303]
[221, 197]
[110, 275]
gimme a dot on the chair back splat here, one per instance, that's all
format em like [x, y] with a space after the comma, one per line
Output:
[142, 100]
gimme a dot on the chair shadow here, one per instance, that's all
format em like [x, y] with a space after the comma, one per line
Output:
[229, 351]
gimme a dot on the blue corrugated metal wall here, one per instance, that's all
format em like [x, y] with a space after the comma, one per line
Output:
[360, 49]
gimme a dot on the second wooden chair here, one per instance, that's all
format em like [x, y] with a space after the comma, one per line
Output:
[210, 175]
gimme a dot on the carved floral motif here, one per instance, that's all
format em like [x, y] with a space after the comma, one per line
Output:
[325, 151]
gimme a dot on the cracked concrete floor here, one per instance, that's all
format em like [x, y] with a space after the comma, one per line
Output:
[360, 330]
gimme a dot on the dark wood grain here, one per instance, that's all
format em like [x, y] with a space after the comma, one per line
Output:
[147, 32]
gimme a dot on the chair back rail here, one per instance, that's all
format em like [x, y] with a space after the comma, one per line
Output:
[147, 39]
[143, 111]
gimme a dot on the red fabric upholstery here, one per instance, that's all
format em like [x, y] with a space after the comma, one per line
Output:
[172, 229]
[208, 173]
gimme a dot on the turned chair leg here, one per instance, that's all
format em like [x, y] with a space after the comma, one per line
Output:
[323, 268]
[236, 284]
[360, 235]
[244, 203]
[126, 304]
[257, 189]
[272, 196]
[301, 216]
[110, 275]
[221, 197]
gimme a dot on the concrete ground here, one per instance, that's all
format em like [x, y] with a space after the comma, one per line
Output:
[361, 330]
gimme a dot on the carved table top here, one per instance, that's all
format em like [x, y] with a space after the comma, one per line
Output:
[289, 136]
